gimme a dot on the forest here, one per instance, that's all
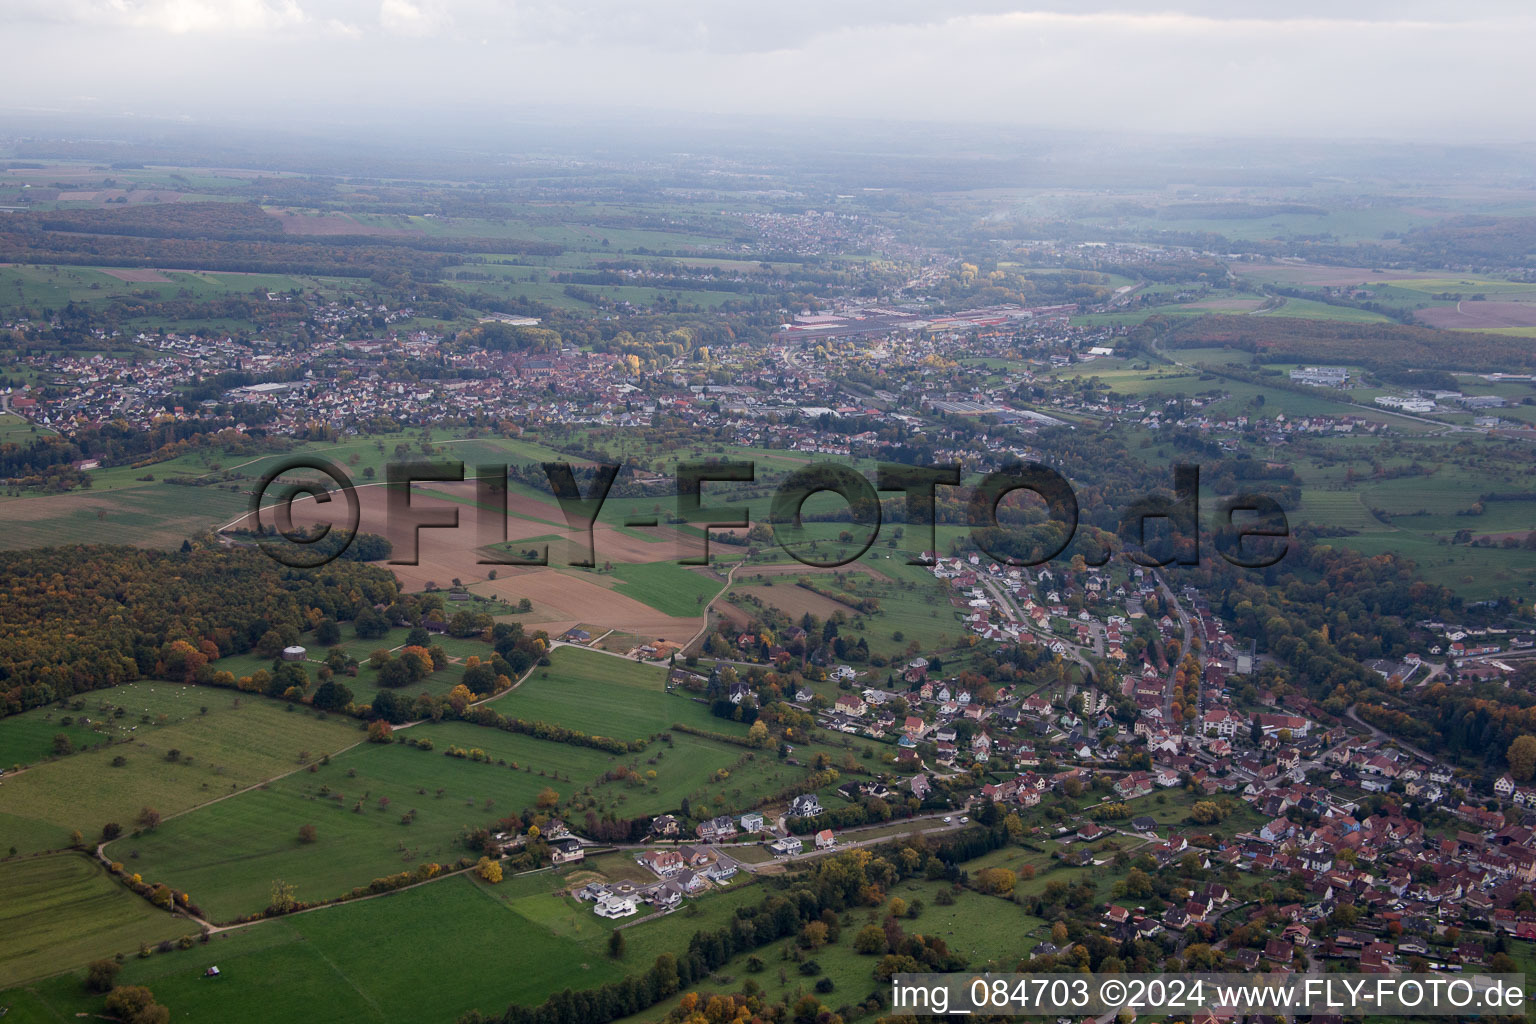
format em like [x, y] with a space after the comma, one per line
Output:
[154, 612]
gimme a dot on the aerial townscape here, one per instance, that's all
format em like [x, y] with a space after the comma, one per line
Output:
[985, 557]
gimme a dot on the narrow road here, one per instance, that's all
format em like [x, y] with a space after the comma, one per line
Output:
[1183, 619]
[1349, 713]
[1011, 607]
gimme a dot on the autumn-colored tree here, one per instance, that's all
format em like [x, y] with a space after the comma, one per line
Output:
[547, 798]
[1205, 812]
[222, 600]
[489, 869]
[308, 833]
[380, 731]
[813, 935]
[996, 881]
[1522, 758]
[418, 661]
[182, 661]
[870, 940]
[136, 1004]
[98, 977]
[282, 899]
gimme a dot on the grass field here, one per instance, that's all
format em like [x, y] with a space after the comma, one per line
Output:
[240, 741]
[985, 929]
[16, 430]
[64, 909]
[670, 588]
[29, 737]
[603, 695]
[122, 508]
[228, 854]
[427, 954]
[1425, 512]
[53, 287]
[1475, 573]
[146, 515]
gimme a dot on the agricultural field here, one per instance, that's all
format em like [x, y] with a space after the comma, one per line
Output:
[329, 960]
[146, 515]
[911, 605]
[601, 694]
[228, 854]
[220, 751]
[64, 909]
[33, 736]
[1427, 516]
[1309, 309]
[128, 505]
[53, 287]
[670, 588]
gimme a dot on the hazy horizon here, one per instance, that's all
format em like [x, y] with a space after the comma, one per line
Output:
[1406, 72]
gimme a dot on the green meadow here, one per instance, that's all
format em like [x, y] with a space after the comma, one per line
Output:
[603, 695]
[670, 588]
[431, 953]
[228, 854]
[240, 741]
[30, 737]
[64, 909]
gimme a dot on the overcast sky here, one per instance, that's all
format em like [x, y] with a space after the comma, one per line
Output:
[1387, 69]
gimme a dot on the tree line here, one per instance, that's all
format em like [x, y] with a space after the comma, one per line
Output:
[138, 603]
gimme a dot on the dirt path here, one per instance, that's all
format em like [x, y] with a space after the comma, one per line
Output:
[704, 628]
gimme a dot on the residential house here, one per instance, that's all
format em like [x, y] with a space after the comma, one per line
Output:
[565, 851]
[716, 829]
[805, 806]
[615, 906]
[665, 863]
[786, 846]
